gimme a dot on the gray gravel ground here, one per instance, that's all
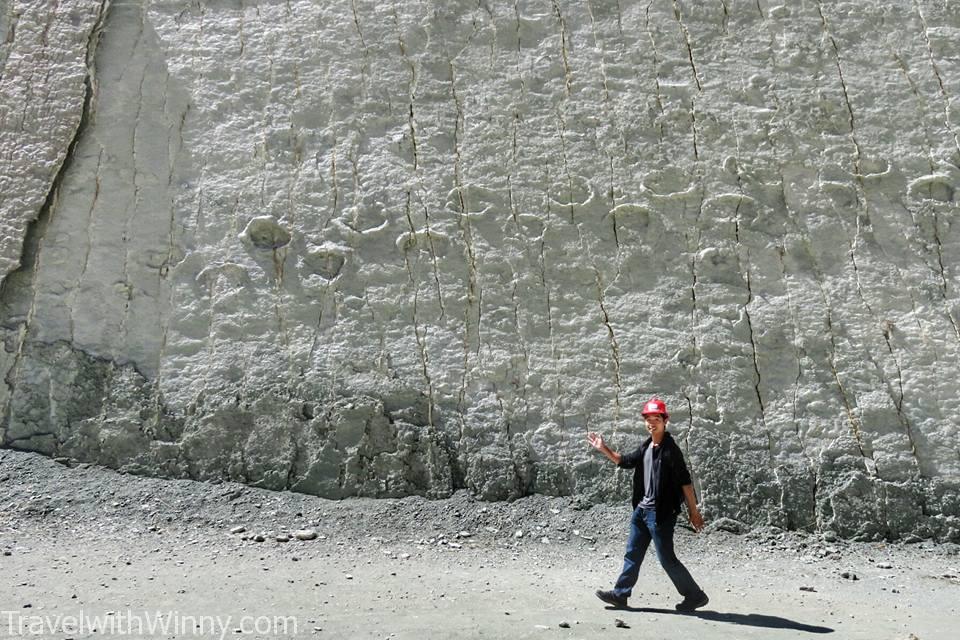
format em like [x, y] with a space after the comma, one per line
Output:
[90, 553]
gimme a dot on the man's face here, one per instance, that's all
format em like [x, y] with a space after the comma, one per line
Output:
[655, 423]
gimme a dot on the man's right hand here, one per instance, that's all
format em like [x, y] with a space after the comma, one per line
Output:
[596, 441]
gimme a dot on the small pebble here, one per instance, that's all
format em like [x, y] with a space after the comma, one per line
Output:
[564, 625]
[305, 534]
[620, 624]
[238, 529]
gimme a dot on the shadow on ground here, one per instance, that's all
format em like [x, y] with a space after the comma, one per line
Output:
[746, 619]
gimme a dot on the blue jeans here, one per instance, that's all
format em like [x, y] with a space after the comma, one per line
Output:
[643, 529]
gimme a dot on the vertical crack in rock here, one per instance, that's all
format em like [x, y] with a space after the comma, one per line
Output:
[472, 307]
[655, 61]
[36, 231]
[561, 129]
[943, 275]
[412, 90]
[693, 130]
[743, 263]
[678, 14]
[564, 39]
[421, 337]
[291, 475]
[279, 260]
[726, 16]
[694, 280]
[523, 89]
[614, 347]
[888, 328]
[843, 85]
[364, 68]
[75, 290]
[947, 120]
[134, 207]
[885, 325]
[334, 184]
[542, 263]
[419, 334]
[318, 326]
[691, 366]
[428, 235]
[832, 361]
[431, 246]
[757, 378]
[524, 348]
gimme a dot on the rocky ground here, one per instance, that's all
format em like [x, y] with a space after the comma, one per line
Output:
[86, 552]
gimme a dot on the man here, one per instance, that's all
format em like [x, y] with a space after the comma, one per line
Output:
[661, 483]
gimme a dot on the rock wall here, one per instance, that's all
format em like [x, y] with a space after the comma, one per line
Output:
[380, 248]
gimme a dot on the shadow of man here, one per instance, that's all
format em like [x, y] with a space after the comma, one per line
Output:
[745, 619]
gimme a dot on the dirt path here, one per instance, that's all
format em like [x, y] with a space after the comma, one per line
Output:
[133, 554]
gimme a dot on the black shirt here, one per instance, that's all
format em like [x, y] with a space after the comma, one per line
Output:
[673, 475]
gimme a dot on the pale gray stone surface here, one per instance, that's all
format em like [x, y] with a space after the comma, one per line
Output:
[381, 248]
[43, 86]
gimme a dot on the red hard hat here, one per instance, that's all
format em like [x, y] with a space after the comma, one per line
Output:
[655, 405]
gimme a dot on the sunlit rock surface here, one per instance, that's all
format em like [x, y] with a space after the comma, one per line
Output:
[382, 248]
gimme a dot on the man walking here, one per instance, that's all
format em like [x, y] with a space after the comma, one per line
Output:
[661, 482]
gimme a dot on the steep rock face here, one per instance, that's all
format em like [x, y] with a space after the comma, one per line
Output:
[368, 248]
